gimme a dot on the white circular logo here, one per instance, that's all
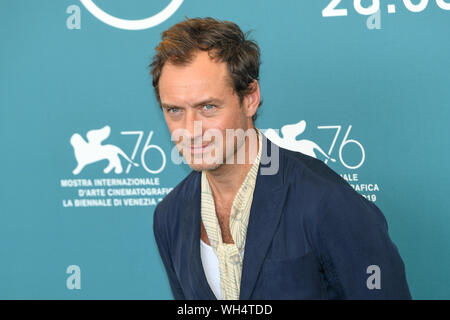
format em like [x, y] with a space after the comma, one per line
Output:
[140, 24]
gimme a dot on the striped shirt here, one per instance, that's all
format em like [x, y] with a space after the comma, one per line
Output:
[230, 256]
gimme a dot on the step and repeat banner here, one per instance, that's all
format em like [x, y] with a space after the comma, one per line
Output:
[86, 155]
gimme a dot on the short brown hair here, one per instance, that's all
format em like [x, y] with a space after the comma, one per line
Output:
[223, 40]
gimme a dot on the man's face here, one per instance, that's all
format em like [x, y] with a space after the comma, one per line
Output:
[200, 95]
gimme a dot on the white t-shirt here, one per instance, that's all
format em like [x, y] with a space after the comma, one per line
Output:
[211, 267]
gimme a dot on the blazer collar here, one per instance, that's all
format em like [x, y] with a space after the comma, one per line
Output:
[265, 212]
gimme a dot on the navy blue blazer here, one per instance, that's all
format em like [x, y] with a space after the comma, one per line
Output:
[310, 236]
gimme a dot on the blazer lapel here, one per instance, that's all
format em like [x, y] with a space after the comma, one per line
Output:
[191, 231]
[265, 212]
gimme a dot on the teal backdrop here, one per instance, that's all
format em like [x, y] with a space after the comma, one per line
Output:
[372, 91]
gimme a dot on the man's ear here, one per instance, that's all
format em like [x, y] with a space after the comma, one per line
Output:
[252, 99]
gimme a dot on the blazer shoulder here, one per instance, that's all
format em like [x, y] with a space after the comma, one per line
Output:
[310, 172]
[184, 190]
[330, 196]
[320, 186]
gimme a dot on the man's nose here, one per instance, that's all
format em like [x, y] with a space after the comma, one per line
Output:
[193, 125]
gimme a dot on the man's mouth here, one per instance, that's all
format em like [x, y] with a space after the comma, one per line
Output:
[200, 149]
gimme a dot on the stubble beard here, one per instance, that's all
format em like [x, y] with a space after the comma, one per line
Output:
[227, 157]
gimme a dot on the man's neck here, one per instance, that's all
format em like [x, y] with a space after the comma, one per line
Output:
[226, 180]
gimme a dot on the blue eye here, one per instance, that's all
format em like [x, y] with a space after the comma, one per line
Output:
[172, 109]
[209, 107]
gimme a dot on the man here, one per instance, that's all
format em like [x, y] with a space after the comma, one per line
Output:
[236, 228]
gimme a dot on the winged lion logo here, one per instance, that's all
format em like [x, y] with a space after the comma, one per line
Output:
[93, 150]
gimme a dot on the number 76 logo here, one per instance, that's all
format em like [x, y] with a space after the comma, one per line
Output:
[344, 142]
